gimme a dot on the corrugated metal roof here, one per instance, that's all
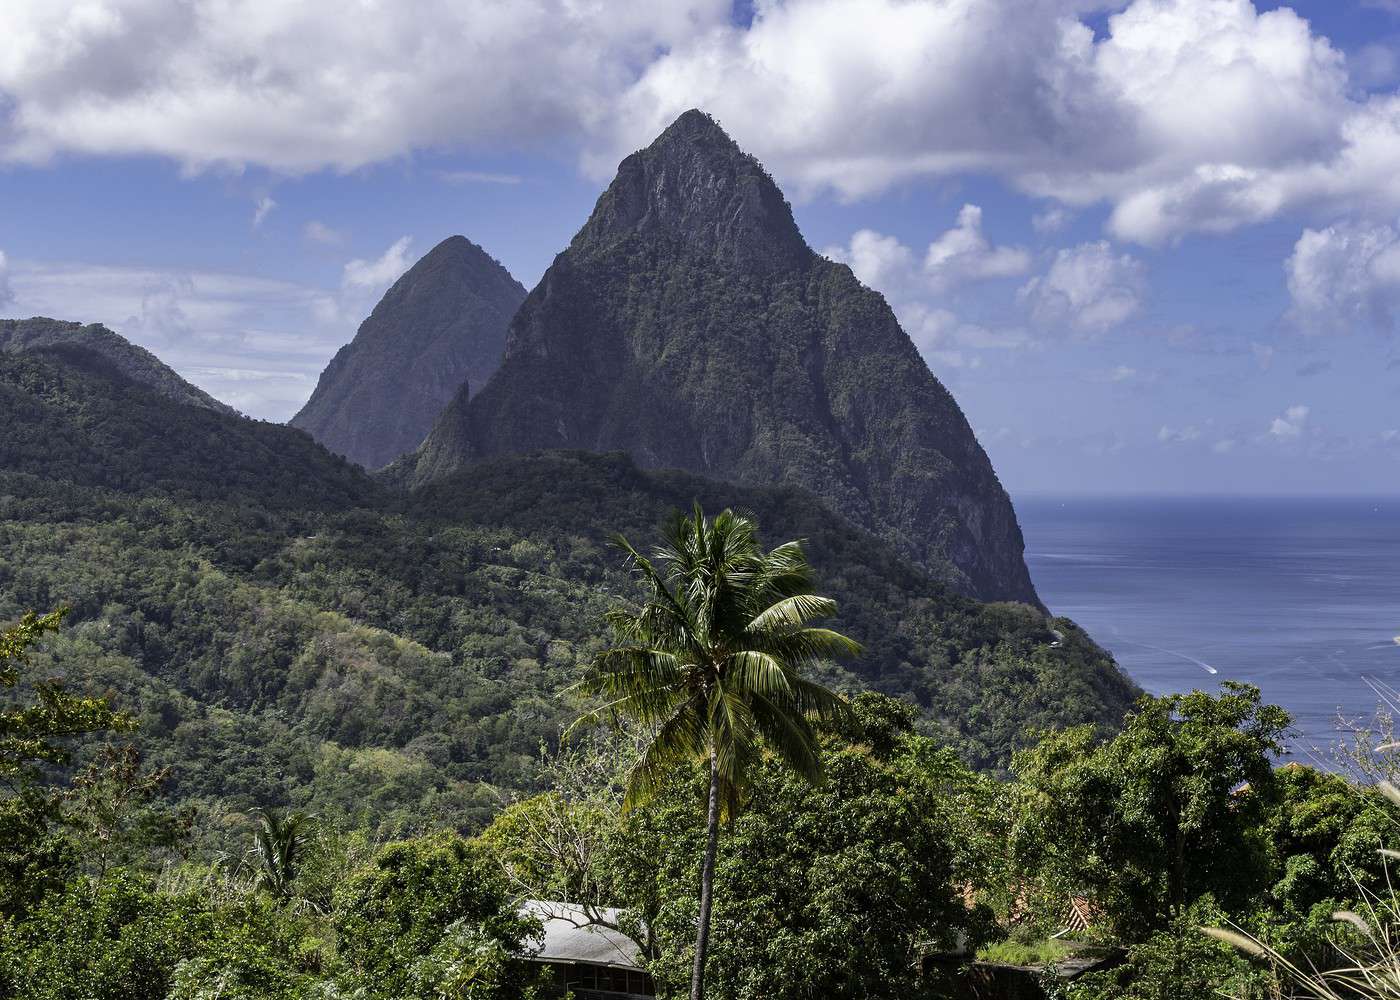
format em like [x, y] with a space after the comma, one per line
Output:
[571, 936]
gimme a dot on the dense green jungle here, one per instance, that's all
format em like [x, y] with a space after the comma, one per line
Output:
[297, 733]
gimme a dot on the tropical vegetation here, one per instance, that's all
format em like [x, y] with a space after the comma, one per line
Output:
[710, 667]
[854, 885]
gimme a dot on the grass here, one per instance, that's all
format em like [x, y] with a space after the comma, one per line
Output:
[1017, 952]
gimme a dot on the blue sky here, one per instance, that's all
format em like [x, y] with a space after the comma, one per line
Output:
[1150, 246]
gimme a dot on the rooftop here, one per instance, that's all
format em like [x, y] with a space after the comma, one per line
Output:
[571, 936]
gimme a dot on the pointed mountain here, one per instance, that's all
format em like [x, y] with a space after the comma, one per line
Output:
[107, 349]
[690, 325]
[441, 326]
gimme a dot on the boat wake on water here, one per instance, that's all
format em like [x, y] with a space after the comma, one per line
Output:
[1169, 652]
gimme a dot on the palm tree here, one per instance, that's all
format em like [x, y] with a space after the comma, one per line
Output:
[278, 839]
[710, 664]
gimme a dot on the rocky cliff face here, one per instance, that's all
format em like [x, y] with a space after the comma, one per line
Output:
[690, 325]
[41, 335]
[442, 326]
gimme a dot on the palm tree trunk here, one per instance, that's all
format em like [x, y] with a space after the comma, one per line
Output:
[707, 880]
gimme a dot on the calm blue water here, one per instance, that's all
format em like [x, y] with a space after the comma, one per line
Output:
[1300, 597]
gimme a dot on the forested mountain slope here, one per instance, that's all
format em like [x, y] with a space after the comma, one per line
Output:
[689, 325]
[290, 632]
[18, 336]
[70, 415]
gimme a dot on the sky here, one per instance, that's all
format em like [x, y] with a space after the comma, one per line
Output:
[1150, 246]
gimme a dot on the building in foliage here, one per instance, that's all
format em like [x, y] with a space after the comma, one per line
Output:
[587, 956]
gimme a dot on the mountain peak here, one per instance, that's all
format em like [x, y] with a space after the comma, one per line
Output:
[456, 246]
[439, 329]
[694, 184]
[690, 326]
[696, 126]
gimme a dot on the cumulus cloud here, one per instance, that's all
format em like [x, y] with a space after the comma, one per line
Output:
[958, 256]
[1052, 220]
[880, 261]
[1291, 424]
[1184, 115]
[306, 85]
[380, 273]
[319, 232]
[933, 328]
[1089, 288]
[916, 285]
[1181, 115]
[1345, 276]
[964, 254]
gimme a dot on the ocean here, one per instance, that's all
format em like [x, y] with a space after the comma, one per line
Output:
[1300, 597]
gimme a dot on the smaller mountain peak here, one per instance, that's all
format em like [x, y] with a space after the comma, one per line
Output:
[439, 329]
[452, 254]
[452, 243]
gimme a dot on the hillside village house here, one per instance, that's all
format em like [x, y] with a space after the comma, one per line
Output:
[593, 962]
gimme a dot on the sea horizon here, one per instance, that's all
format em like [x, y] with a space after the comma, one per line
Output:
[1294, 594]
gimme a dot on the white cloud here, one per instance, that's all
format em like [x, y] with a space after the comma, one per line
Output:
[1345, 276]
[1184, 115]
[1374, 65]
[1050, 221]
[915, 285]
[1121, 374]
[1291, 424]
[1181, 115]
[1178, 435]
[318, 83]
[214, 328]
[963, 254]
[255, 343]
[383, 271]
[938, 360]
[7, 294]
[880, 261]
[932, 327]
[956, 257]
[1089, 288]
[319, 232]
[1224, 446]
[262, 209]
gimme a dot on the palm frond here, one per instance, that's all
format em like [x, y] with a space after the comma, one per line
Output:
[677, 740]
[752, 670]
[792, 612]
[788, 734]
[712, 658]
